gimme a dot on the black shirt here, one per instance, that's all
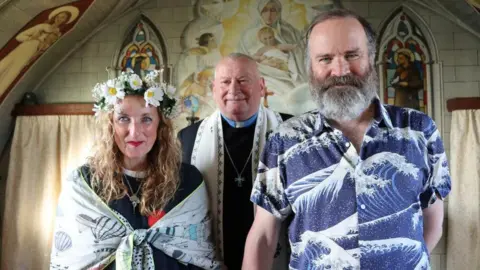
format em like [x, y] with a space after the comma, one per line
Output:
[237, 208]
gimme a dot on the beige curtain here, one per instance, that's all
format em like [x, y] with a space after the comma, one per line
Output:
[463, 238]
[44, 150]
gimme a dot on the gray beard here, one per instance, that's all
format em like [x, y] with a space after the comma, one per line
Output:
[345, 102]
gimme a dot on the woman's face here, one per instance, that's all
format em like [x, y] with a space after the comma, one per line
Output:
[61, 18]
[269, 13]
[135, 128]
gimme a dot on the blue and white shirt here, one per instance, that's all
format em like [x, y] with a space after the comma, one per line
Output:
[354, 210]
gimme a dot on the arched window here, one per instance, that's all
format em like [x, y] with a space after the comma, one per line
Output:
[405, 60]
[144, 50]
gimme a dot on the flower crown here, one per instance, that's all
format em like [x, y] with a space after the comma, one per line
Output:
[155, 93]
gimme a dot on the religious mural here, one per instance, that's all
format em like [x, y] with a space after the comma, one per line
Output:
[34, 39]
[271, 31]
[143, 51]
[405, 57]
[475, 4]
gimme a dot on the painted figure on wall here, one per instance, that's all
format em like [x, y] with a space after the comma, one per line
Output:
[199, 63]
[272, 53]
[292, 72]
[405, 69]
[140, 54]
[273, 36]
[407, 80]
[34, 39]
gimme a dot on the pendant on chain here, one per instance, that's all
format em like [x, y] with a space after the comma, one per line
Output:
[239, 180]
[135, 201]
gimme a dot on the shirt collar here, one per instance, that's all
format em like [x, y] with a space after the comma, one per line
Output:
[250, 121]
[135, 174]
[381, 114]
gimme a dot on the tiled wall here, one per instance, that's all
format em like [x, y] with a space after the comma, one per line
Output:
[458, 50]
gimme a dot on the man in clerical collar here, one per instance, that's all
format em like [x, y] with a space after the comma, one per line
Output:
[226, 148]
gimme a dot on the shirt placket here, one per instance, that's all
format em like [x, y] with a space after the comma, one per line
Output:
[356, 172]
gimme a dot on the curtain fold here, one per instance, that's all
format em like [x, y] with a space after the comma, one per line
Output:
[44, 150]
[463, 238]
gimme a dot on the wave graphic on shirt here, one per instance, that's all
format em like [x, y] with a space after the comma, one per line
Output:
[320, 250]
[327, 183]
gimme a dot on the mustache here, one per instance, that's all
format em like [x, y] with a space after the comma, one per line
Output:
[345, 80]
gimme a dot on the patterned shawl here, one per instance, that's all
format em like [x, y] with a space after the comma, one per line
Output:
[90, 235]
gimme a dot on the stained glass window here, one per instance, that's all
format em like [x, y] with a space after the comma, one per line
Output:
[405, 57]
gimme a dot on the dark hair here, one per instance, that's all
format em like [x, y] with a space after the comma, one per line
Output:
[204, 39]
[342, 13]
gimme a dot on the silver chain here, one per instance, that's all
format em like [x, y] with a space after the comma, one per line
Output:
[133, 194]
[233, 164]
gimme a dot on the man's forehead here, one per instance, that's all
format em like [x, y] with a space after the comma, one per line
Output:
[342, 32]
[237, 68]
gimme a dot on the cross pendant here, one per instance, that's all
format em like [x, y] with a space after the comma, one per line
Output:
[135, 201]
[239, 180]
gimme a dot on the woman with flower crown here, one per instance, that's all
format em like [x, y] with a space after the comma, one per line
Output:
[134, 205]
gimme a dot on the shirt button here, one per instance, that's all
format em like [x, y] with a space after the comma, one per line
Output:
[347, 144]
[363, 206]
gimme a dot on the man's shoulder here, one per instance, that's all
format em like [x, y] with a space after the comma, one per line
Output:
[191, 128]
[297, 128]
[402, 117]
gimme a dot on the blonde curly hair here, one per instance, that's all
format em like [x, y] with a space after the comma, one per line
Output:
[163, 166]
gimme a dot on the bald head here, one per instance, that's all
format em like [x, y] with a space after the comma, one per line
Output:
[238, 87]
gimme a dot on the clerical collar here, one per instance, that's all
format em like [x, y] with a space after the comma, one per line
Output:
[250, 121]
[135, 174]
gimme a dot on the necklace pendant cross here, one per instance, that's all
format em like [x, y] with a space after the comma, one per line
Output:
[239, 180]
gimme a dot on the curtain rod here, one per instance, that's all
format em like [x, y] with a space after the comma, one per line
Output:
[53, 109]
[470, 103]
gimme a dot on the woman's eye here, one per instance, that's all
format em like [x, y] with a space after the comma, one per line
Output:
[147, 119]
[123, 119]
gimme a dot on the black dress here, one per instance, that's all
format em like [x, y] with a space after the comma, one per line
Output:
[190, 179]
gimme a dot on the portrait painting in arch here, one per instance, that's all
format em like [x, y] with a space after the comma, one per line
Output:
[34, 39]
[405, 58]
[143, 51]
[270, 31]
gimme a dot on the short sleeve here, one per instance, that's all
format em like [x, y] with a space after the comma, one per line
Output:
[438, 182]
[269, 188]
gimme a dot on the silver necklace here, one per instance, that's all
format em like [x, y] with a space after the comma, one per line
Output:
[239, 179]
[134, 198]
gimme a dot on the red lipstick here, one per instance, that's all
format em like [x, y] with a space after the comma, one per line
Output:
[134, 143]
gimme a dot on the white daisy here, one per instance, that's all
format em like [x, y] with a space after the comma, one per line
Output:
[112, 90]
[97, 109]
[135, 81]
[97, 92]
[153, 96]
